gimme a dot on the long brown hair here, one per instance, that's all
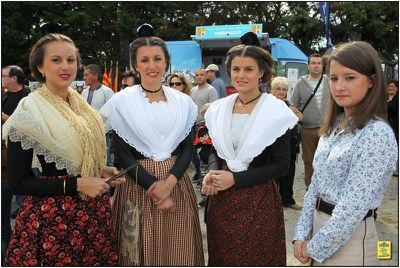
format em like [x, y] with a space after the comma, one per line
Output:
[362, 58]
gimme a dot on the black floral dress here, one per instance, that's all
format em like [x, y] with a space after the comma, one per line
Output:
[62, 230]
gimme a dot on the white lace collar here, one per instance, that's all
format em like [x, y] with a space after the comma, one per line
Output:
[126, 112]
[269, 120]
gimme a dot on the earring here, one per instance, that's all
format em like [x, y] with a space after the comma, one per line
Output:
[43, 75]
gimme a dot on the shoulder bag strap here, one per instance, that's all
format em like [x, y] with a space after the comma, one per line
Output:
[312, 95]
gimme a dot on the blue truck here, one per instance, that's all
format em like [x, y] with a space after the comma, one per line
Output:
[211, 43]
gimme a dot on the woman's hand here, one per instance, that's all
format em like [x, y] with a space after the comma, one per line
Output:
[108, 172]
[161, 190]
[207, 186]
[92, 186]
[300, 251]
[118, 181]
[166, 205]
[222, 179]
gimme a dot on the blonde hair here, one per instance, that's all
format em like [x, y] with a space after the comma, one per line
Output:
[280, 80]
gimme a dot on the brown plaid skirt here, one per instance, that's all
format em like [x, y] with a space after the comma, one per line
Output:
[165, 238]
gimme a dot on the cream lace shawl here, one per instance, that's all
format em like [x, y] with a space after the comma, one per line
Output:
[72, 136]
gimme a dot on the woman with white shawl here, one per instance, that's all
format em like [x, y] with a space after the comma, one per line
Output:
[155, 212]
[250, 136]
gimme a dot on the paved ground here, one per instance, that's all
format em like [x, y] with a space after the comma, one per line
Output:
[387, 222]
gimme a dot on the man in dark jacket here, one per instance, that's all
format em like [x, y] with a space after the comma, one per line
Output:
[12, 78]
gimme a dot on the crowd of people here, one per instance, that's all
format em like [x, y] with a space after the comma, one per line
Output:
[60, 147]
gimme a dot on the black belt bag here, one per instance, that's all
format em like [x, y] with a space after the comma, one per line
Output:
[328, 208]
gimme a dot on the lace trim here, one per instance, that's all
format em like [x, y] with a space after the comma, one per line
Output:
[148, 100]
[29, 143]
[131, 143]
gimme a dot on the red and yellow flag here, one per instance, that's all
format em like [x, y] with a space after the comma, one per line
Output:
[106, 79]
[110, 77]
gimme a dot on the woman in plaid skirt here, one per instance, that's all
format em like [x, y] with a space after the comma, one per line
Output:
[155, 213]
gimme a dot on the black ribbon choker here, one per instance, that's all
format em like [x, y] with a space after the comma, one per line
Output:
[245, 103]
[149, 91]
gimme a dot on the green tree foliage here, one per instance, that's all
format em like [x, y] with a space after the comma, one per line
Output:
[374, 22]
[103, 30]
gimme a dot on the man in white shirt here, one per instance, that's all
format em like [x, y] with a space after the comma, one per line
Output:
[201, 94]
[97, 95]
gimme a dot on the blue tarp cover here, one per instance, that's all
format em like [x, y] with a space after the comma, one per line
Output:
[285, 50]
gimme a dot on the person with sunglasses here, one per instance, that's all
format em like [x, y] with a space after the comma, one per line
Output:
[129, 79]
[179, 81]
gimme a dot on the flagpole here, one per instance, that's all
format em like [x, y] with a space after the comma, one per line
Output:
[116, 79]
[325, 11]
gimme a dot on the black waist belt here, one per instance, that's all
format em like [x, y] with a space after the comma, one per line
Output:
[328, 208]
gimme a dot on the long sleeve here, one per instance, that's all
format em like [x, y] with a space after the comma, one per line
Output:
[125, 154]
[22, 180]
[185, 154]
[273, 163]
[305, 222]
[295, 95]
[352, 172]
[214, 162]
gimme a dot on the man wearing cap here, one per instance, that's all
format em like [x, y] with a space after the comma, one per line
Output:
[215, 80]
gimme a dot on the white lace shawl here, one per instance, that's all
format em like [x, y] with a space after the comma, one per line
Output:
[127, 113]
[269, 120]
